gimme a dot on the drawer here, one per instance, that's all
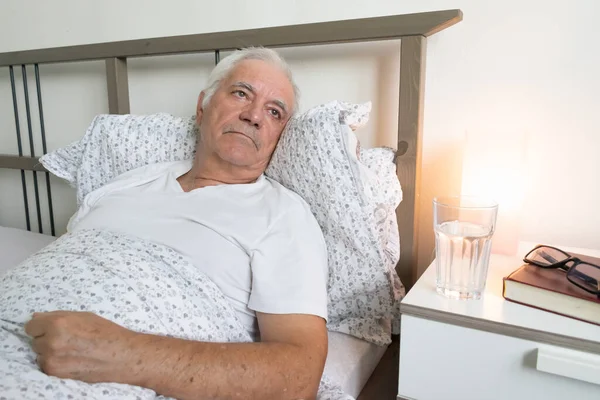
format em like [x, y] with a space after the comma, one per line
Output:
[442, 361]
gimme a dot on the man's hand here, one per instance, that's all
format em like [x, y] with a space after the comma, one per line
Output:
[79, 345]
[287, 364]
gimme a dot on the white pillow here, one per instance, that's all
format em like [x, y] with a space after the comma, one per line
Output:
[115, 144]
[317, 157]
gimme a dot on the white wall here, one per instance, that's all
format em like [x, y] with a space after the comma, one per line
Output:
[515, 80]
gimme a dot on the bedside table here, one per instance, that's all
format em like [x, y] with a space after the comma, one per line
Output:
[492, 348]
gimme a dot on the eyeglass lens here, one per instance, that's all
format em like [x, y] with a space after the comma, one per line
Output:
[547, 256]
[587, 275]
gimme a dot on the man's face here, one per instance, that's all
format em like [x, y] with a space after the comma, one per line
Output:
[243, 120]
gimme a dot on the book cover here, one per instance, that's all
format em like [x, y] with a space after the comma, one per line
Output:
[550, 290]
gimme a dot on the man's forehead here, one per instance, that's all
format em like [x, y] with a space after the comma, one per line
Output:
[262, 76]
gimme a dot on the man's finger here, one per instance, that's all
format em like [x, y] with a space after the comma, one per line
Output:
[43, 363]
[35, 327]
[39, 361]
[40, 345]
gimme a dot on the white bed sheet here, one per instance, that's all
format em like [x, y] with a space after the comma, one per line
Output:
[351, 361]
[18, 244]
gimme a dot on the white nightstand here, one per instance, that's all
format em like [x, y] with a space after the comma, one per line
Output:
[491, 348]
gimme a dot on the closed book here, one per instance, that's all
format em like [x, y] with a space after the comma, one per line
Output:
[550, 290]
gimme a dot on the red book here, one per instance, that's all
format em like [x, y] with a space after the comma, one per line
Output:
[549, 290]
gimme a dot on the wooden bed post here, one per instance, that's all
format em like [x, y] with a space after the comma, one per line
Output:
[118, 85]
[408, 162]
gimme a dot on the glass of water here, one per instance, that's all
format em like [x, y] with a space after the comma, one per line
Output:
[464, 227]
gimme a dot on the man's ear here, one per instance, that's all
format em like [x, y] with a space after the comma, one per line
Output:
[199, 108]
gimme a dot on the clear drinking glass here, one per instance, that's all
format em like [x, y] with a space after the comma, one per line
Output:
[464, 226]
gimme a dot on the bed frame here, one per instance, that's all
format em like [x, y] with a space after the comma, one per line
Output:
[412, 29]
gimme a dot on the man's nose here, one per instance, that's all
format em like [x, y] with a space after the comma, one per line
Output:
[253, 115]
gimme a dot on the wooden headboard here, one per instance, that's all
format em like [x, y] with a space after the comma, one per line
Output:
[412, 29]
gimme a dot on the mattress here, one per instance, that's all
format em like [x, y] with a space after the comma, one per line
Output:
[17, 244]
[351, 361]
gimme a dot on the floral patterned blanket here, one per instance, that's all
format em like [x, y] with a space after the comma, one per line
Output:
[140, 285]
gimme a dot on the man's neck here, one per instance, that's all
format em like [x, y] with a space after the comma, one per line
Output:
[206, 172]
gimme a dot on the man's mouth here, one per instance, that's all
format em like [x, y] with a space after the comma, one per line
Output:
[244, 135]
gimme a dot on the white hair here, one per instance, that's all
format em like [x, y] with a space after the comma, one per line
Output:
[226, 66]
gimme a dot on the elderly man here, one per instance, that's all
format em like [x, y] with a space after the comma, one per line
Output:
[255, 239]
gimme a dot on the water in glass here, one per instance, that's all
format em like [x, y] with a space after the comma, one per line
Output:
[462, 257]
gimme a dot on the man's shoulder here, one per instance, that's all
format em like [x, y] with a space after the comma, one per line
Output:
[294, 214]
[288, 200]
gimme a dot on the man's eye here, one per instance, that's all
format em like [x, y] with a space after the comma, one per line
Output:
[240, 93]
[275, 113]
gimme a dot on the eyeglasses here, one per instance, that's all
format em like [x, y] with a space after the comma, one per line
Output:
[580, 273]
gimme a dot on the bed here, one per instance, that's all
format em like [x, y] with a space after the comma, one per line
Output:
[18, 244]
[351, 361]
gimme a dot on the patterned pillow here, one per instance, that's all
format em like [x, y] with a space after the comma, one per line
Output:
[115, 144]
[352, 192]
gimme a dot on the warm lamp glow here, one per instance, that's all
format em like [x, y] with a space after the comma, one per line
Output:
[499, 182]
[493, 167]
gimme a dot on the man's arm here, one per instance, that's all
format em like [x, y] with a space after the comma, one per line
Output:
[286, 364]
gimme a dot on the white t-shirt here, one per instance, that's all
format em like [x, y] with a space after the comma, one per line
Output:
[258, 242]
